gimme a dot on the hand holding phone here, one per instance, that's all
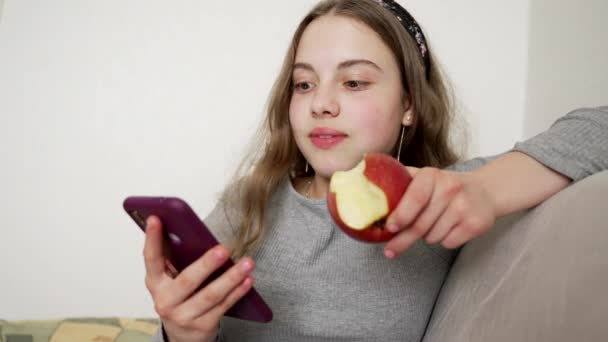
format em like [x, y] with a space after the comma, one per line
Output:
[205, 284]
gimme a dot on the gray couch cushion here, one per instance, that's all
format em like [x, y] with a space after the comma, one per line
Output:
[539, 275]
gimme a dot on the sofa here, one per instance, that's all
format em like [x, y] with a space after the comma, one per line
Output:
[538, 275]
[83, 329]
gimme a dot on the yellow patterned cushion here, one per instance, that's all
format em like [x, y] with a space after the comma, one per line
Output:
[79, 330]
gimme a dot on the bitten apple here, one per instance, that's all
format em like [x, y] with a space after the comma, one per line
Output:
[360, 199]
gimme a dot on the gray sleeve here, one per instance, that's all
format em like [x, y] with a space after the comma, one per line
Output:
[471, 164]
[160, 335]
[576, 145]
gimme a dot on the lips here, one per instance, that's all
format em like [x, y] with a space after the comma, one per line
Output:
[326, 138]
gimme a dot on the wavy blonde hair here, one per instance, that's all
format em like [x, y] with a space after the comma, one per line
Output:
[274, 155]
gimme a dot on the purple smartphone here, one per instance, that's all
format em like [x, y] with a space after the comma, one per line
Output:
[186, 239]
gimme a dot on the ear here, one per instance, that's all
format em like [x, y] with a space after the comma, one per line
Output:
[408, 114]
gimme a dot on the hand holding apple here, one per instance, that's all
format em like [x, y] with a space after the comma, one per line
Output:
[359, 200]
[370, 203]
[443, 207]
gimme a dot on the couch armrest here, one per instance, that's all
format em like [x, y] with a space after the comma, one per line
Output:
[538, 275]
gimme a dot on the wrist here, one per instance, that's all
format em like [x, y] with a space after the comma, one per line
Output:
[173, 336]
[515, 182]
[485, 189]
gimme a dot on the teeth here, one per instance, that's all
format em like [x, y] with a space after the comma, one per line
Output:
[325, 136]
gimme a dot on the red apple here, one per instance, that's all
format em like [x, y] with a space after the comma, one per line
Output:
[360, 199]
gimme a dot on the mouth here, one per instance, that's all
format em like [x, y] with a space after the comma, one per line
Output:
[326, 138]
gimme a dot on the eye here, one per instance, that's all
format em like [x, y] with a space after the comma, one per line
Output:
[356, 85]
[303, 86]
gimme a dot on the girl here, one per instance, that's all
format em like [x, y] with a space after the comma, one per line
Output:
[358, 77]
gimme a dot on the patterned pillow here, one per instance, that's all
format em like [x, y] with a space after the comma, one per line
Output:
[79, 330]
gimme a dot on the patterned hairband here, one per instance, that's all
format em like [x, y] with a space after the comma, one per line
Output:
[411, 26]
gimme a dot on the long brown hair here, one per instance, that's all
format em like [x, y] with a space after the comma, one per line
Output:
[275, 156]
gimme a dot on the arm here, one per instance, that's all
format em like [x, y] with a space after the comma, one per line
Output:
[453, 208]
[515, 181]
[576, 145]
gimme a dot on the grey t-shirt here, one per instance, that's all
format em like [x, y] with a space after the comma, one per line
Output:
[325, 286]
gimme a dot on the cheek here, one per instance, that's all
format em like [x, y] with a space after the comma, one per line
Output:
[375, 124]
[296, 117]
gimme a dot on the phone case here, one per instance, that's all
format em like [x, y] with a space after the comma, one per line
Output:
[186, 239]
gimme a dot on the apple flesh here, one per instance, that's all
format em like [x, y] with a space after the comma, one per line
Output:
[360, 199]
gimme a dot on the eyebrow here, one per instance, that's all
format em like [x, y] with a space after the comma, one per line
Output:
[343, 65]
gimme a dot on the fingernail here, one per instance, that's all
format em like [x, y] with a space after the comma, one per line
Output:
[246, 266]
[392, 227]
[247, 282]
[389, 254]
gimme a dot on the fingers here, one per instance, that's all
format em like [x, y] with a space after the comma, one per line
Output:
[220, 294]
[421, 225]
[217, 312]
[415, 199]
[469, 228]
[180, 302]
[444, 224]
[424, 202]
[209, 322]
[443, 207]
[195, 274]
[455, 238]
[153, 250]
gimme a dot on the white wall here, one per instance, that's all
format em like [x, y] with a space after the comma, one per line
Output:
[483, 46]
[104, 99]
[568, 60]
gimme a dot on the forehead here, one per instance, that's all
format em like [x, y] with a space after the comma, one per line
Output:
[331, 39]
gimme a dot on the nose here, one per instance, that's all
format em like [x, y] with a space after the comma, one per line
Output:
[324, 103]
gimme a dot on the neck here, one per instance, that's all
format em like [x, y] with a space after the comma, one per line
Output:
[318, 187]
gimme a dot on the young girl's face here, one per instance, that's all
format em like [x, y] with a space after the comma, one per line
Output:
[347, 98]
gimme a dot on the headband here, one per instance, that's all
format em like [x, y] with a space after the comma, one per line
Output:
[411, 26]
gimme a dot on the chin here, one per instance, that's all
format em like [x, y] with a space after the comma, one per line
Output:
[329, 167]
